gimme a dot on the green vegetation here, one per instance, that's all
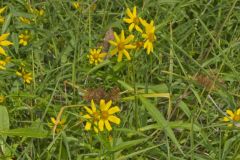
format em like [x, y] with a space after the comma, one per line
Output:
[117, 80]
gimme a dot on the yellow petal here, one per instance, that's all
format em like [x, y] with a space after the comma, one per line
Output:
[113, 110]
[2, 51]
[116, 37]
[2, 9]
[122, 35]
[226, 119]
[129, 39]
[113, 43]
[88, 126]
[126, 54]
[130, 46]
[4, 36]
[108, 126]
[87, 116]
[120, 54]
[108, 105]
[114, 51]
[101, 125]
[88, 110]
[238, 111]
[138, 28]
[93, 106]
[129, 13]
[114, 119]
[135, 11]
[5, 43]
[95, 129]
[131, 27]
[53, 120]
[102, 104]
[230, 113]
[128, 20]
[143, 22]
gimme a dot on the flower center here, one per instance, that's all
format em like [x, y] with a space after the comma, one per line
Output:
[95, 116]
[95, 56]
[151, 37]
[236, 118]
[120, 46]
[136, 20]
[105, 115]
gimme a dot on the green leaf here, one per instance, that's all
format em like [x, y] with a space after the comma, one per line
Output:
[6, 23]
[159, 118]
[4, 119]
[25, 132]
[128, 144]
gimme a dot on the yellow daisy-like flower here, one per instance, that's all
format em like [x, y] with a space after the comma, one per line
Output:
[2, 99]
[133, 19]
[37, 12]
[232, 116]
[149, 35]
[24, 38]
[92, 117]
[26, 76]
[60, 125]
[2, 19]
[4, 62]
[4, 42]
[122, 44]
[106, 115]
[76, 5]
[96, 56]
[24, 20]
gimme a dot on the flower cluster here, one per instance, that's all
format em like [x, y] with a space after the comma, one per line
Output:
[99, 119]
[122, 44]
[232, 117]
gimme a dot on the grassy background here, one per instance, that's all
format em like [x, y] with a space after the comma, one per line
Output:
[195, 59]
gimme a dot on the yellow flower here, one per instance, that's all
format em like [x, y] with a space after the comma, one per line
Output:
[106, 115]
[4, 62]
[92, 117]
[26, 76]
[232, 116]
[122, 44]
[37, 12]
[2, 99]
[133, 19]
[60, 124]
[24, 20]
[95, 56]
[2, 19]
[4, 42]
[24, 38]
[76, 5]
[149, 35]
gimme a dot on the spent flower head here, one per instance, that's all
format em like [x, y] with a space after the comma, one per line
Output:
[121, 45]
[148, 35]
[96, 56]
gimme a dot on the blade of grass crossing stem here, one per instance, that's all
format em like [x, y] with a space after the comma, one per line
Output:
[159, 118]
